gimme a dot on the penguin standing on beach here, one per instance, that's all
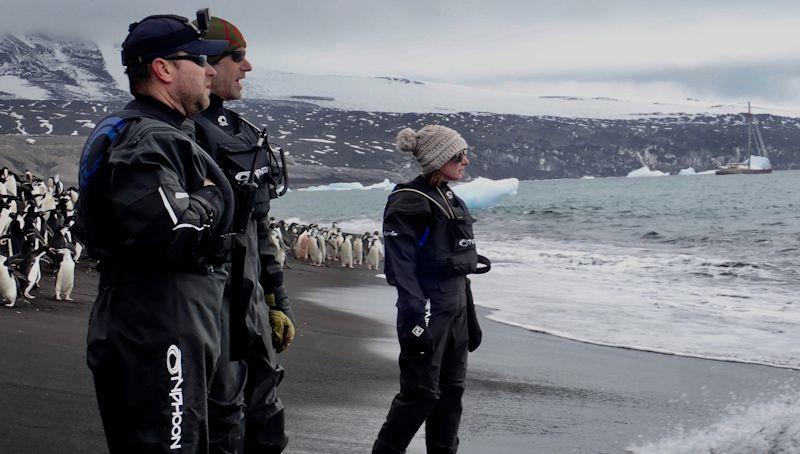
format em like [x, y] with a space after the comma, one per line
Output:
[301, 246]
[321, 243]
[6, 216]
[32, 270]
[65, 278]
[346, 251]
[358, 250]
[11, 182]
[8, 284]
[78, 250]
[332, 246]
[374, 254]
[73, 195]
[280, 253]
[315, 254]
[366, 240]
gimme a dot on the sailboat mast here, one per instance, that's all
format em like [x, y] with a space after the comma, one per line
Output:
[749, 132]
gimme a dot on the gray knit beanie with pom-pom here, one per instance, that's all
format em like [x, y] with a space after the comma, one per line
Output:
[433, 145]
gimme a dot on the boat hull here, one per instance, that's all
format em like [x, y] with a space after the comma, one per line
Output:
[741, 171]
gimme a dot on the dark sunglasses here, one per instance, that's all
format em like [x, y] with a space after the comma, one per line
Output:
[200, 60]
[236, 55]
[459, 157]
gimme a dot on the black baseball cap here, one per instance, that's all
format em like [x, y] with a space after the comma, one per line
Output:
[163, 35]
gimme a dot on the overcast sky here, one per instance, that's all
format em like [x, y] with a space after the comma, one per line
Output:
[710, 49]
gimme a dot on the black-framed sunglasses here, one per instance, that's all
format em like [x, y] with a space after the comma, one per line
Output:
[236, 55]
[200, 60]
[459, 157]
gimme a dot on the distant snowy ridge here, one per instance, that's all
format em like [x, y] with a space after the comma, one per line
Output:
[387, 94]
[39, 67]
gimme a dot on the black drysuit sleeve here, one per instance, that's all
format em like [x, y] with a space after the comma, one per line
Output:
[271, 272]
[164, 216]
[404, 223]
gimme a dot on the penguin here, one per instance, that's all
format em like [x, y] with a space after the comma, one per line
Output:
[73, 194]
[48, 203]
[301, 247]
[11, 182]
[314, 251]
[374, 254]
[321, 240]
[65, 278]
[346, 251]
[339, 240]
[291, 235]
[358, 250]
[332, 246]
[366, 240]
[8, 284]
[280, 254]
[78, 250]
[5, 218]
[32, 271]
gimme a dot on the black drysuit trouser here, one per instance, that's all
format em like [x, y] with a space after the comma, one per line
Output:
[245, 413]
[431, 386]
[153, 345]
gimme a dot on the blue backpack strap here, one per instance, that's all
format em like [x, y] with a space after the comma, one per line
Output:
[95, 150]
[424, 237]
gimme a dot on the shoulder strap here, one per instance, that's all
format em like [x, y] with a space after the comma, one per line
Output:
[103, 137]
[446, 213]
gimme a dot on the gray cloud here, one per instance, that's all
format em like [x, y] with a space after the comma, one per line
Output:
[730, 49]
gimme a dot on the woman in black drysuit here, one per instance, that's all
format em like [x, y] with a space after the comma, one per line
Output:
[430, 249]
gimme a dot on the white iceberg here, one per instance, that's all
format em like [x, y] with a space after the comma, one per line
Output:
[688, 171]
[385, 185]
[759, 163]
[484, 193]
[646, 172]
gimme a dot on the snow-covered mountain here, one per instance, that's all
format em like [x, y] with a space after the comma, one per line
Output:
[394, 94]
[342, 128]
[39, 67]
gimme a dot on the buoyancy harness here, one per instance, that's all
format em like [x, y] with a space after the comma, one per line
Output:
[448, 248]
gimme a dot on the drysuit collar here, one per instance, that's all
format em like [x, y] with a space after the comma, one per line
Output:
[156, 109]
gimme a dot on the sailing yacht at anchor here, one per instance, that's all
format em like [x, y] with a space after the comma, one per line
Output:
[755, 163]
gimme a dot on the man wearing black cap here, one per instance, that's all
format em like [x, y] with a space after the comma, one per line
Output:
[244, 409]
[155, 210]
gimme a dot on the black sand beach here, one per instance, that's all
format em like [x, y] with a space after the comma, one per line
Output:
[526, 392]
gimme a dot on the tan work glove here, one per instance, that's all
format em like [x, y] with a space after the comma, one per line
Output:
[282, 327]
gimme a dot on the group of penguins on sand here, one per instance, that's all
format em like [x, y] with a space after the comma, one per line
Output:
[35, 220]
[36, 216]
[323, 246]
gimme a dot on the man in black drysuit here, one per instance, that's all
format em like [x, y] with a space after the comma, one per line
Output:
[244, 408]
[430, 248]
[155, 210]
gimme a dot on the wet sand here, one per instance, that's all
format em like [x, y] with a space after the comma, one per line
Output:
[526, 392]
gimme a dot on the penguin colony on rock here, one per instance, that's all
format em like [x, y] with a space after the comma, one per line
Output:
[35, 220]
